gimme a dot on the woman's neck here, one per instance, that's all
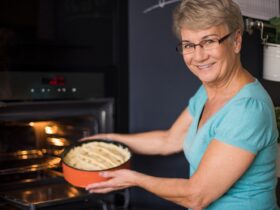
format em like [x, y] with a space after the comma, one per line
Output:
[229, 86]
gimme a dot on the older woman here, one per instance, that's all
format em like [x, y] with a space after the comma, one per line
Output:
[228, 131]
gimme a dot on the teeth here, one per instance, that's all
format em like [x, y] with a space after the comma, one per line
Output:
[204, 66]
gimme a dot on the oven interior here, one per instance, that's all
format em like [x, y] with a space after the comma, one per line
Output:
[33, 135]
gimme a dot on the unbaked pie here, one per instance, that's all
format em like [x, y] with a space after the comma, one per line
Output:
[97, 156]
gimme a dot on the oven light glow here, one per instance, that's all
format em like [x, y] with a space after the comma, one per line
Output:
[27, 192]
[34, 167]
[51, 129]
[23, 152]
[73, 192]
[57, 141]
[54, 163]
[31, 124]
[24, 157]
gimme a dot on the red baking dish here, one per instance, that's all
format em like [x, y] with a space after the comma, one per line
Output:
[82, 178]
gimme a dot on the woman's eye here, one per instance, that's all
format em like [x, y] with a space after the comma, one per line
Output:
[209, 41]
[187, 46]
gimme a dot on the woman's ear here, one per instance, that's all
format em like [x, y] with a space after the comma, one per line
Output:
[237, 41]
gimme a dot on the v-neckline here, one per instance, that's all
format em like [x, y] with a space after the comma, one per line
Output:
[220, 109]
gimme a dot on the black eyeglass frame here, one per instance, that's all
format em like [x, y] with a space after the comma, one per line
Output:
[199, 44]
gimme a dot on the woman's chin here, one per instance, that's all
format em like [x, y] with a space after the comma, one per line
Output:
[206, 78]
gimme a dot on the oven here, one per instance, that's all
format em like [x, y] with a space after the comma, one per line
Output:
[40, 115]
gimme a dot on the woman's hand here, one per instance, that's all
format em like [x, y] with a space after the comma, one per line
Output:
[118, 179]
[104, 136]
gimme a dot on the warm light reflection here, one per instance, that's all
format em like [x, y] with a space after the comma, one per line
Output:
[31, 152]
[58, 152]
[47, 127]
[24, 152]
[57, 141]
[34, 167]
[51, 129]
[73, 192]
[24, 157]
[27, 192]
[54, 162]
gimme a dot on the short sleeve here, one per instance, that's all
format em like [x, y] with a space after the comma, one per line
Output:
[248, 125]
[196, 101]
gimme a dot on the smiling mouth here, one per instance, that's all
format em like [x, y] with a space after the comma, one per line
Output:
[205, 66]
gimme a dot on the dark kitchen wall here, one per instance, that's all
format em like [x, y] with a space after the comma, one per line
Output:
[160, 86]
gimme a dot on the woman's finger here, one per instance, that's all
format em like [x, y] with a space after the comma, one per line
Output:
[102, 190]
[103, 136]
[99, 185]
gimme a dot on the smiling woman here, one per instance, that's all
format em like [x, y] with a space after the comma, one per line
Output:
[232, 160]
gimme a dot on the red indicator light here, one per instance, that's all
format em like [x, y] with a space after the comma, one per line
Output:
[57, 81]
[54, 81]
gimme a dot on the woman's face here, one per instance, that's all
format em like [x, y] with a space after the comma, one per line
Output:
[213, 66]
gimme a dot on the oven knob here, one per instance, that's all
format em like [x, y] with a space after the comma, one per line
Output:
[74, 90]
[43, 90]
[32, 90]
[63, 89]
[58, 90]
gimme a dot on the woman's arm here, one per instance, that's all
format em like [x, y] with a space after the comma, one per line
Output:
[154, 142]
[221, 166]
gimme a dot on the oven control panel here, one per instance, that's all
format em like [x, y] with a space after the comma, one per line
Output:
[50, 86]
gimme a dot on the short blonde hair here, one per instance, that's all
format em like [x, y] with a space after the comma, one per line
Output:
[203, 14]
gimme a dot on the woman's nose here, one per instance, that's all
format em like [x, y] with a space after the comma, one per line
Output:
[199, 53]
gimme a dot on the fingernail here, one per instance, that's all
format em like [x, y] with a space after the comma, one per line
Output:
[104, 174]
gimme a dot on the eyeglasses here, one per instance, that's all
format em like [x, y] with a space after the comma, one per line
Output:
[185, 47]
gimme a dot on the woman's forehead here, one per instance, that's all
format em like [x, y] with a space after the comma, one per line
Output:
[198, 34]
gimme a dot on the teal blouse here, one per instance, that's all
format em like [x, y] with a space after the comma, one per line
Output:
[247, 121]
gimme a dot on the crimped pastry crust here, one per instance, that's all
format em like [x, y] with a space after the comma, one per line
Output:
[97, 156]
